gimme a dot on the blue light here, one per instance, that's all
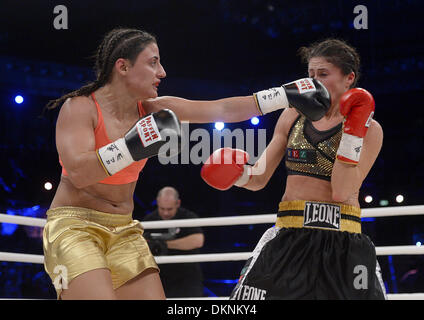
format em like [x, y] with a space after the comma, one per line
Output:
[4, 185]
[219, 125]
[237, 244]
[254, 121]
[225, 281]
[7, 229]
[392, 274]
[19, 99]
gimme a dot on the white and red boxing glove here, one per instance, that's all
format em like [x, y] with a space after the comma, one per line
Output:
[357, 106]
[144, 140]
[226, 167]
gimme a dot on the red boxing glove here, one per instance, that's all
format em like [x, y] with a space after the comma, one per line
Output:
[357, 105]
[226, 167]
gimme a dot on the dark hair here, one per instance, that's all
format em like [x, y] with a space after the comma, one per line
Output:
[117, 43]
[337, 52]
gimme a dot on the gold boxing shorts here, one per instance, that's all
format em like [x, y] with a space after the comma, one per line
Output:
[77, 240]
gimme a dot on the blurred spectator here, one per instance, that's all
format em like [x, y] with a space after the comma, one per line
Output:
[179, 279]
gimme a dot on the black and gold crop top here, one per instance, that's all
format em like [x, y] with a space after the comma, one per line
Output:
[312, 152]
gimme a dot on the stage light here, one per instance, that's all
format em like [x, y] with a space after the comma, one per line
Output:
[48, 186]
[368, 199]
[399, 198]
[19, 99]
[254, 121]
[418, 244]
[219, 125]
[384, 203]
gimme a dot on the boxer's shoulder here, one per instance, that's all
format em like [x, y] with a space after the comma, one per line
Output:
[78, 108]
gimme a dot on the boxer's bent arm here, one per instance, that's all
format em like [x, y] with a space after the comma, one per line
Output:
[346, 179]
[234, 109]
[75, 142]
[190, 242]
[264, 168]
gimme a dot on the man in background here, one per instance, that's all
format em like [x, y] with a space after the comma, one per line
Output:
[179, 279]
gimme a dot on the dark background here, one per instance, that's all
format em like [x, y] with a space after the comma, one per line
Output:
[210, 50]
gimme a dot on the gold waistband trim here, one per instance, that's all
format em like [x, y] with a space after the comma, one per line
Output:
[103, 218]
[297, 221]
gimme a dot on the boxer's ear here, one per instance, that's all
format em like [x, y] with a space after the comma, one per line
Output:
[121, 66]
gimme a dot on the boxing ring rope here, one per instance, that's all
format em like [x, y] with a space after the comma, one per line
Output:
[233, 256]
[225, 221]
[211, 257]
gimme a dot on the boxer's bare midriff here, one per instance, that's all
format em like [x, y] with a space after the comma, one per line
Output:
[312, 189]
[101, 197]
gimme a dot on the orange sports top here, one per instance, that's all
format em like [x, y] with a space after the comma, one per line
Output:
[126, 175]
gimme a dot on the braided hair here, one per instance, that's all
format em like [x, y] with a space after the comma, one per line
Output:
[117, 43]
[337, 52]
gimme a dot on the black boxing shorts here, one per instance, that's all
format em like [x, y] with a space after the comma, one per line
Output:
[316, 251]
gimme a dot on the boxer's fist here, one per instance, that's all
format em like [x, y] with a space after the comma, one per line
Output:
[357, 106]
[226, 167]
[144, 140]
[308, 96]
[149, 134]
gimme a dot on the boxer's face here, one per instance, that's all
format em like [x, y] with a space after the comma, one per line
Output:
[143, 77]
[331, 77]
[167, 207]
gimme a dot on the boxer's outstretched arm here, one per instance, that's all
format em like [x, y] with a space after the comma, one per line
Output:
[307, 95]
[227, 167]
[234, 109]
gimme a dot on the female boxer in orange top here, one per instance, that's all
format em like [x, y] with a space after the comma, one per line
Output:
[93, 248]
